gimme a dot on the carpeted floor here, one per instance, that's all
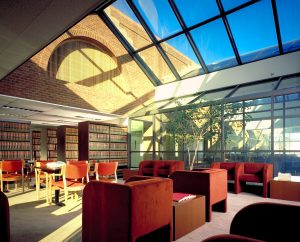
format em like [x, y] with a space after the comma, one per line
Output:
[34, 220]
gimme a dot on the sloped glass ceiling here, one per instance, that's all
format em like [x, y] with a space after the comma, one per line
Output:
[177, 39]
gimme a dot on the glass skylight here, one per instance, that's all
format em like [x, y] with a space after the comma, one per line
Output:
[214, 45]
[182, 55]
[254, 31]
[289, 21]
[194, 12]
[126, 22]
[230, 4]
[159, 17]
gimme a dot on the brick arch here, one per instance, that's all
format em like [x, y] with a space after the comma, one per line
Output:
[87, 36]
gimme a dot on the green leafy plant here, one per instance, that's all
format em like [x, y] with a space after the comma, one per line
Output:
[198, 123]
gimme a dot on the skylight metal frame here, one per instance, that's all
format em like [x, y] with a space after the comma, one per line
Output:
[186, 31]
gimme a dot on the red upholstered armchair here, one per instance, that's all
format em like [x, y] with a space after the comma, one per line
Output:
[212, 183]
[255, 172]
[263, 222]
[161, 168]
[4, 218]
[234, 170]
[136, 211]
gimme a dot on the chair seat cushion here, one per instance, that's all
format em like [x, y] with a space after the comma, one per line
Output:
[70, 184]
[250, 178]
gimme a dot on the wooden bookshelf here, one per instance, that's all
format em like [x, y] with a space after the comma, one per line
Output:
[67, 142]
[36, 145]
[51, 144]
[15, 140]
[102, 142]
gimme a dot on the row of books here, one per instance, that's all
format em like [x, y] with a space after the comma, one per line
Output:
[118, 154]
[71, 131]
[98, 137]
[118, 130]
[16, 127]
[99, 128]
[118, 138]
[36, 147]
[12, 145]
[72, 139]
[36, 135]
[14, 136]
[71, 154]
[52, 147]
[98, 154]
[4, 155]
[71, 146]
[36, 141]
[52, 140]
[52, 154]
[51, 133]
[98, 146]
[118, 146]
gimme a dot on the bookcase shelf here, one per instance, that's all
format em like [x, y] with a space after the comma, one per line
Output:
[67, 142]
[51, 144]
[36, 145]
[103, 142]
[15, 140]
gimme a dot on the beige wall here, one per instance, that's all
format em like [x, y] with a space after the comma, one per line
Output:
[259, 70]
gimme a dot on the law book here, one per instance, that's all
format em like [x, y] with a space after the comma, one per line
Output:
[180, 197]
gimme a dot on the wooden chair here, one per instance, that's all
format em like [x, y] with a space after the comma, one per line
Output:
[106, 170]
[41, 177]
[73, 176]
[12, 171]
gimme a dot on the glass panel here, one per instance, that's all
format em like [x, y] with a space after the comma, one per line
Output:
[292, 100]
[258, 105]
[233, 133]
[182, 56]
[157, 64]
[194, 12]
[278, 134]
[292, 133]
[278, 102]
[180, 102]
[258, 156]
[289, 22]
[213, 96]
[214, 45]
[279, 162]
[258, 135]
[260, 40]
[126, 22]
[230, 4]
[289, 82]
[159, 17]
[141, 139]
[292, 163]
[256, 88]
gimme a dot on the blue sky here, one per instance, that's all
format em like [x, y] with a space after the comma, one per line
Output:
[253, 27]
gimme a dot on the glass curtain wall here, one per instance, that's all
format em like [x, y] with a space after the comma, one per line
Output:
[264, 129]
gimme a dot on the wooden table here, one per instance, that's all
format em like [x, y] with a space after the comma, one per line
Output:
[286, 190]
[188, 215]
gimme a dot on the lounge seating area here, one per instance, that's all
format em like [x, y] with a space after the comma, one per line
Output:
[160, 168]
[241, 173]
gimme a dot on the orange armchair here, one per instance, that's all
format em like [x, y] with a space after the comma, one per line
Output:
[234, 169]
[255, 172]
[161, 168]
[12, 170]
[127, 212]
[104, 171]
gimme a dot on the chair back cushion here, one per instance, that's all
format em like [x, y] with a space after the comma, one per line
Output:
[76, 171]
[12, 165]
[253, 168]
[106, 168]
